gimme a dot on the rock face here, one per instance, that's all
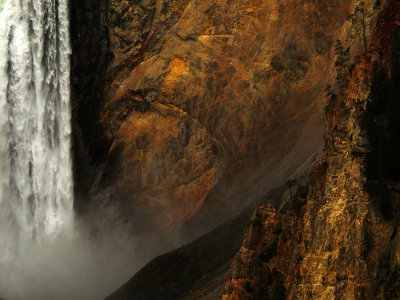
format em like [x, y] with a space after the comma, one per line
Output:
[200, 269]
[90, 45]
[201, 101]
[331, 241]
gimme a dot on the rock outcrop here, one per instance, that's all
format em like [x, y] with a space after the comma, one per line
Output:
[332, 241]
[200, 269]
[204, 103]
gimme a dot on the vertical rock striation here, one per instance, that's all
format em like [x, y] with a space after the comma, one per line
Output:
[332, 240]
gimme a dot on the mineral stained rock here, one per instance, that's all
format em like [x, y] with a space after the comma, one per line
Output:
[202, 100]
[332, 241]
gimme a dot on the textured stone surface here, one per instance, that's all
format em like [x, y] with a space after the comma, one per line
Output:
[200, 269]
[330, 241]
[204, 98]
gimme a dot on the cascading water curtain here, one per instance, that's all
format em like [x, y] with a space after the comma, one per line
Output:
[36, 192]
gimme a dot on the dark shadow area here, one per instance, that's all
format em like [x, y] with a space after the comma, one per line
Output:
[90, 51]
[200, 268]
[382, 126]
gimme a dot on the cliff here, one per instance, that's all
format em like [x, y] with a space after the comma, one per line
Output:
[199, 104]
[198, 270]
[337, 238]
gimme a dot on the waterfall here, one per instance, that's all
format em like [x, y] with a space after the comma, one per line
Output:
[36, 196]
[46, 253]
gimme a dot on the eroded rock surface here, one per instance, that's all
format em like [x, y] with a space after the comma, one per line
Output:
[331, 241]
[204, 98]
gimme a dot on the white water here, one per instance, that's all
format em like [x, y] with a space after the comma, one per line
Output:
[42, 253]
[35, 166]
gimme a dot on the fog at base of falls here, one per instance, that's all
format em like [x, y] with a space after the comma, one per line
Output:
[46, 252]
[89, 262]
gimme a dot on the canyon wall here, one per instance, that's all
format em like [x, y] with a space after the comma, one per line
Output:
[90, 51]
[337, 236]
[199, 103]
[335, 239]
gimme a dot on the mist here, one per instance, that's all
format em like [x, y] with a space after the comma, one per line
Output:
[88, 262]
[45, 251]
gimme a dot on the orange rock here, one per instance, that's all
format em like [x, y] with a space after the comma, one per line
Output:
[204, 98]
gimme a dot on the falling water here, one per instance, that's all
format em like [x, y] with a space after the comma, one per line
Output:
[35, 164]
[45, 253]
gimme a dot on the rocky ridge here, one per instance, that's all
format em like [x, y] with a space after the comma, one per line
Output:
[332, 240]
